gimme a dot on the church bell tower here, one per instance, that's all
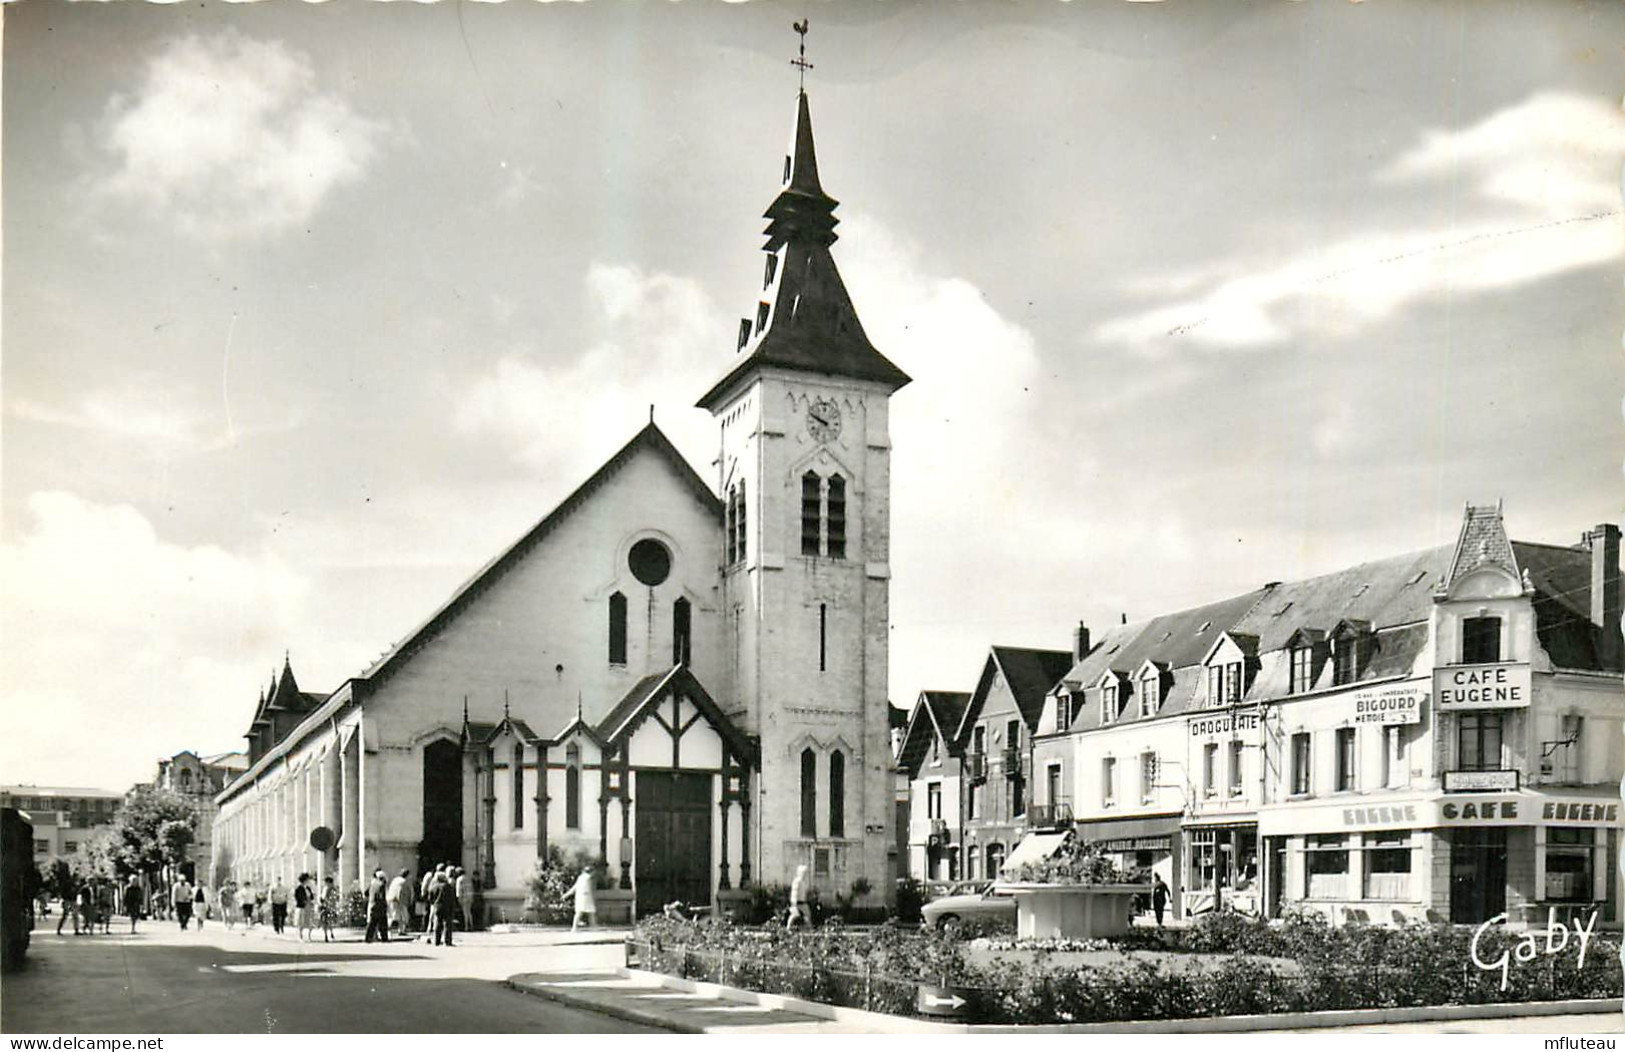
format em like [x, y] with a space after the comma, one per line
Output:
[804, 473]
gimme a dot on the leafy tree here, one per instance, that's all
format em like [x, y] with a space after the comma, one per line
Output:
[154, 829]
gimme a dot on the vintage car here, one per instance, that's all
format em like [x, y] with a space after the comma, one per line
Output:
[981, 900]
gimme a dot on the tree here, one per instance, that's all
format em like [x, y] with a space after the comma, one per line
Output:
[153, 830]
[60, 880]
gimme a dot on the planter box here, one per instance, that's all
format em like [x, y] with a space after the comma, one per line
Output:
[1073, 911]
[614, 906]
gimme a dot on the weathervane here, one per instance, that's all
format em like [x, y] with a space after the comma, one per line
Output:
[801, 62]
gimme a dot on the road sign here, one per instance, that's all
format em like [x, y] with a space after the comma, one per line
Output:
[322, 838]
[941, 1000]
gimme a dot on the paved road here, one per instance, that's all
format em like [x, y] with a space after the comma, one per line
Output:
[163, 981]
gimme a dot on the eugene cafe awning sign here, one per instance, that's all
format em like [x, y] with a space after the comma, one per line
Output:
[1481, 687]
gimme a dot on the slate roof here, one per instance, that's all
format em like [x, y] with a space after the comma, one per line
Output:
[1029, 673]
[638, 702]
[1562, 601]
[812, 326]
[935, 713]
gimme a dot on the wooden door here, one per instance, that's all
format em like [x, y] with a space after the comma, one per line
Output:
[673, 848]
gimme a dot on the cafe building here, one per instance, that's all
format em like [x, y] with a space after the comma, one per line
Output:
[1434, 736]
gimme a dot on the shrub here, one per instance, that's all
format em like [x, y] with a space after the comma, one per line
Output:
[548, 884]
[354, 912]
[1074, 863]
[910, 897]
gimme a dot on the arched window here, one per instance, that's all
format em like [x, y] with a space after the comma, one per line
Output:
[810, 509]
[837, 517]
[617, 629]
[837, 794]
[518, 785]
[680, 624]
[809, 793]
[739, 523]
[730, 549]
[572, 787]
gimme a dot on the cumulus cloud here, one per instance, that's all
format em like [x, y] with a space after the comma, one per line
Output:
[111, 629]
[1531, 192]
[233, 137]
[656, 339]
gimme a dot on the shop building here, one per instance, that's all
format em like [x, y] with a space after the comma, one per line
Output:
[1432, 736]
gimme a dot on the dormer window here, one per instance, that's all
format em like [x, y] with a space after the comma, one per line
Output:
[1063, 710]
[1351, 646]
[1150, 694]
[1303, 668]
[1108, 703]
[1224, 684]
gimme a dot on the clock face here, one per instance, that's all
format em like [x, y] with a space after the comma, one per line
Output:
[823, 420]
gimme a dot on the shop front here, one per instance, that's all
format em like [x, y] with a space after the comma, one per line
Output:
[1141, 847]
[1459, 857]
[1223, 869]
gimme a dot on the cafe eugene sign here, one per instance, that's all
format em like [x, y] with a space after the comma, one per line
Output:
[1431, 811]
[1463, 687]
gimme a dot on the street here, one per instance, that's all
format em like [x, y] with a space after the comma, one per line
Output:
[217, 981]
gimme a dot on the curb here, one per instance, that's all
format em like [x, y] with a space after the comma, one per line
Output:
[880, 1022]
[625, 1013]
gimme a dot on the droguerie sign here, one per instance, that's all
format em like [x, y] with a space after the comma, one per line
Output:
[1481, 687]
[1224, 724]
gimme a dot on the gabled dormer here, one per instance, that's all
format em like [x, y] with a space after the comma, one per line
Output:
[1353, 643]
[1484, 606]
[1152, 681]
[1112, 689]
[1230, 665]
[1307, 651]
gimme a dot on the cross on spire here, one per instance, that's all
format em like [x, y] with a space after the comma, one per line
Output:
[800, 61]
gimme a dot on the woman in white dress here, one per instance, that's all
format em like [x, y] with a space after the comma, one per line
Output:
[585, 904]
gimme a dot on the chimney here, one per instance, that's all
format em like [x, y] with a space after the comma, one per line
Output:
[1604, 544]
[1080, 642]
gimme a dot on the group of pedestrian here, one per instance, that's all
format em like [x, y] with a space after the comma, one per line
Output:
[445, 894]
[91, 905]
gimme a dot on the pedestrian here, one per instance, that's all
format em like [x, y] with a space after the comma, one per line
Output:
[394, 898]
[1159, 896]
[377, 907]
[133, 896]
[106, 905]
[86, 902]
[465, 898]
[444, 910]
[200, 904]
[329, 908]
[227, 900]
[68, 912]
[799, 909]
[259, 904]
[585, 903]
[180, 896]
[247, 903]
[279, 905]
[304, 909]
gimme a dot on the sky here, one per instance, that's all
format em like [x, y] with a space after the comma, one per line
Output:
[309, 310]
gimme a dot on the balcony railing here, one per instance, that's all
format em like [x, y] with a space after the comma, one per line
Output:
[1012, 763]
[1050, 816]
[976, 766]
[939, 828]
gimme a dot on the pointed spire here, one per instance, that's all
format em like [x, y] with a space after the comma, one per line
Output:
[465, 710]
[504, 705]
[802, 211]
[578, 706]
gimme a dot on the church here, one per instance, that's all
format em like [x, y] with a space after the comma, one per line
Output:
[683, 677]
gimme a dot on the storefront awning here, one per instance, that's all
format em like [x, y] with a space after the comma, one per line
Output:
[1150, 833]
[1035, 847]
[1567, 808]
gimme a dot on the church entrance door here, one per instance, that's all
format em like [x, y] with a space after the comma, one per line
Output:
[673, 847]
[442, 805]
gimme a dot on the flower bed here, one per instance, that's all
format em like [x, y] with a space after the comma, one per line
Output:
[1316, 968]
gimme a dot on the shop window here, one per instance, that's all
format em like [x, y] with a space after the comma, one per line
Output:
[837, 794]
[1300, 764]
[1347, 760]
[1569, 857]
[1478, 741]
[1204, 858]
[1108, 781]
[1480, 640]
[933, 800]
[1210, 763]
[617, 629]
[1326, 867]
[1388, 865]
[1237, 751]
[809, 793]
[1303, 669]
[1148, 777]
[809, 513]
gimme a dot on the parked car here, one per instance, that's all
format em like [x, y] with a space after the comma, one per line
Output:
[983, 900]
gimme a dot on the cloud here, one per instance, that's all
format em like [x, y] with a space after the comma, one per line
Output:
[656, 339]
[232, 137]
[1530, 192]
[151, 413]
[112, 630]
